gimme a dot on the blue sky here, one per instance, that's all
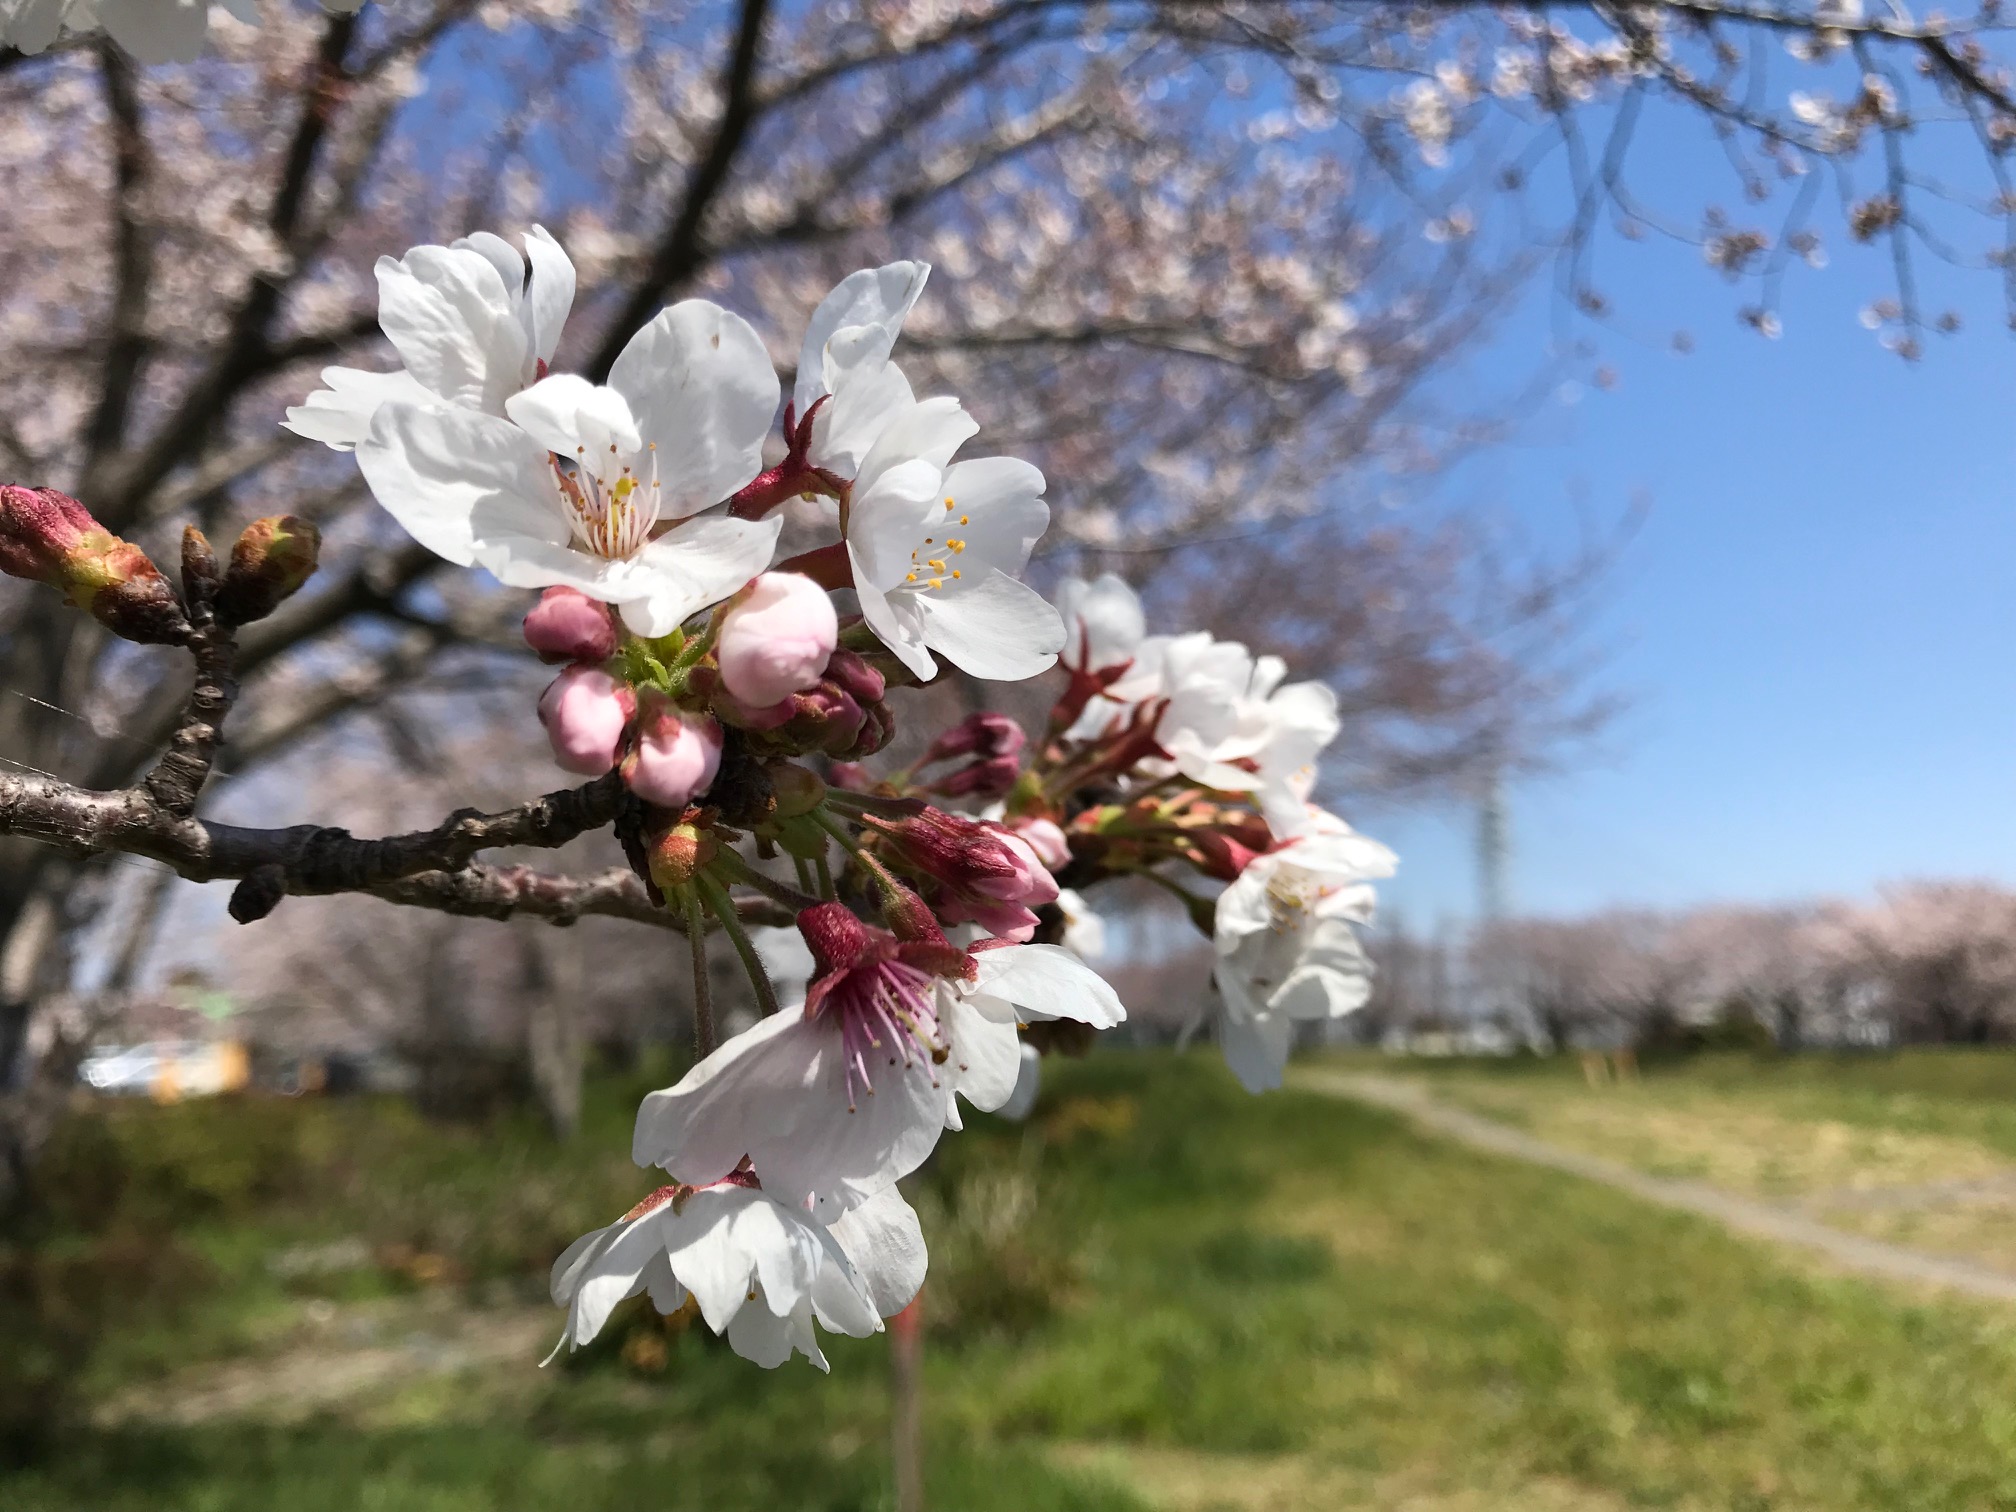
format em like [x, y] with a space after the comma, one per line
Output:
[1814, 624]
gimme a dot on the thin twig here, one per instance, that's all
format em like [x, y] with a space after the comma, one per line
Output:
[723, 908]
[703, 988]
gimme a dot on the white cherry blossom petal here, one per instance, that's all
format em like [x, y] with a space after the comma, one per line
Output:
[339, 416]
[877, 298]
[995, 627]
[930, 431]
[449, 317]
[698, 562]
[1047, 982]
[703, 389]
[1256, 1049]
[455, 479]
[777, 1093]
[568, 414]
[549, 295]
[885, 1245]
[986, 1054]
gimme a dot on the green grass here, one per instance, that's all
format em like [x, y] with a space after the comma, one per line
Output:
[1157, 1293]
[1962, 1093]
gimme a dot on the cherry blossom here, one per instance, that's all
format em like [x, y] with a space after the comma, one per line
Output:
[838, 1099]
[761, 1274]
[844, 362]
[1104, 624]
[937, 548]
[676, 754]
[469, 321]
[1287, 944]
[571, 489]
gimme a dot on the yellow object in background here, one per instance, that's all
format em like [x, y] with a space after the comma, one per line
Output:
[201, 1071]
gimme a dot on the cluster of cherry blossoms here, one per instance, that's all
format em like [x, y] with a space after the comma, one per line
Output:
[728, 706]
[739, 704]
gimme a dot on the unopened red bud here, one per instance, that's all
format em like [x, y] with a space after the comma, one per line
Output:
[39, 528]
[273, 557]
[677, 854]
[991, 778]
[568, 626]
[979, 870]
[826, 719]
[878, 728]
[850, 775]
[1219, 856]
[705, 684]
[984, 734]
[909, 917]
[797, 790]
[127, 594]
[854, 677]
[49, 537]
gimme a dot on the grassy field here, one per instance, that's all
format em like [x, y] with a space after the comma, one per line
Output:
[1918, 1147]
[1157, 1294]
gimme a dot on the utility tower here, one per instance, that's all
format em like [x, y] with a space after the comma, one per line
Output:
[1494, 847]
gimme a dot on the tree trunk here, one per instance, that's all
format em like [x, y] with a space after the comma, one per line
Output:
[553, 1039]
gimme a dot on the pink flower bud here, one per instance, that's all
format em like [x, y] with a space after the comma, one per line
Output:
[48, 537]
[1044, 838]
[270, 563]
[979, 871]
[39, 527]
[585, 712]
[567, 625]
[776, 640]
[676, 754]
[854, 677]
[985, 734]
[1031, 883]
[990, 777]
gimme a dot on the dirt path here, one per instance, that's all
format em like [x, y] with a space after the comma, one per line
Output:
[333, 1374]
[1870, 1257]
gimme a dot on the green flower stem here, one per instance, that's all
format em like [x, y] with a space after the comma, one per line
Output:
[892, 891]
[739, 870]
[715, 896]
[703, 993]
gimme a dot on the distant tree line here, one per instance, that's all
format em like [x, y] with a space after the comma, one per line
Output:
[1923, 963]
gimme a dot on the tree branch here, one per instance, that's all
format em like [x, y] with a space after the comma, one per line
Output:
[503, 892]
[133, 264]
[305, 859]
[680, 253]
[246, 352]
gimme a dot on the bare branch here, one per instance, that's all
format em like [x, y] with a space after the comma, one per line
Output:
[126, 346]
[304, 859]
[679, 253]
